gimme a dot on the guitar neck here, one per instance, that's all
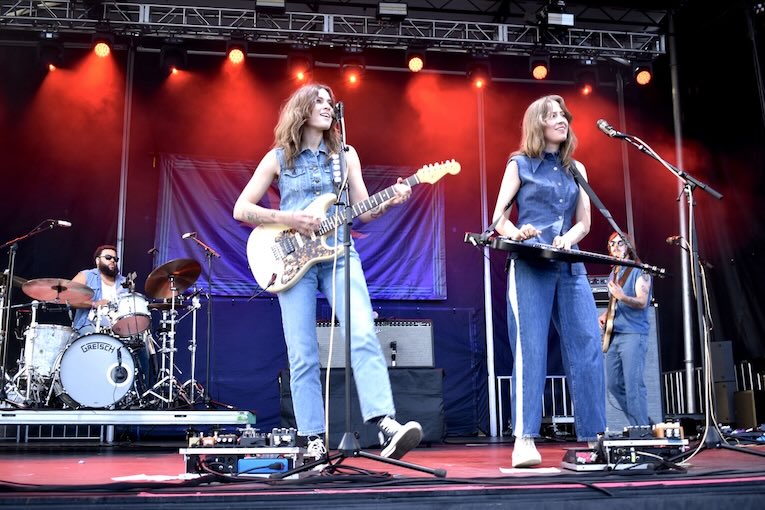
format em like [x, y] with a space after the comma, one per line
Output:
[331, 223]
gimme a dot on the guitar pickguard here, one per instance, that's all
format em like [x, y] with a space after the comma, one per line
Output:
[298, 253]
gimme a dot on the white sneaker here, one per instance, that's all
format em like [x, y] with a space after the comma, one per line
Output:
[525, 453]
[399, 439]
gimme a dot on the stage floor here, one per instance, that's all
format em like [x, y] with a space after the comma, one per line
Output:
[479, 473]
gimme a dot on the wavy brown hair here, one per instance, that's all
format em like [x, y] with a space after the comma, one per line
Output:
[533, 130]
[296, 110]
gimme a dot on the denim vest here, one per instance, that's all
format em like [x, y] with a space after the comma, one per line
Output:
[547, 199]
[628, 319]
[93, 280]
[309, 177]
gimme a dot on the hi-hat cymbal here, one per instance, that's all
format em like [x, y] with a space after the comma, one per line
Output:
[57, 289]
[18, 281]
[172, 278]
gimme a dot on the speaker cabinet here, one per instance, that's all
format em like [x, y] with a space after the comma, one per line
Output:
[750, 408]
[724, 400]
[722, 361]
[615, 418]
[417, 395]
[404, 343]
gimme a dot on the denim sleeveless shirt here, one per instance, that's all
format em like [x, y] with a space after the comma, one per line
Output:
[547, 199]
[309, 177]
[93, 280]
[628, 319]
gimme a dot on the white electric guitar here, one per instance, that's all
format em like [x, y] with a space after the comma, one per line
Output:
[279, 255]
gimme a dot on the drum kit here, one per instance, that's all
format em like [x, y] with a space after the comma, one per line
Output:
[118, 365]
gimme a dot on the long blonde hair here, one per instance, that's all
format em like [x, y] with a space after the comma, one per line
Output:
[296, 110]
[533, 130]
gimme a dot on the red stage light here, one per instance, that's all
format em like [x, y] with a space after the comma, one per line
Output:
[643, 75]
[102, 49]
[416, 63]
[539, 66]
[236, 55]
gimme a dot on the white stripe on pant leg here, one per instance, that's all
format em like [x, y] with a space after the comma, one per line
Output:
[512, 296]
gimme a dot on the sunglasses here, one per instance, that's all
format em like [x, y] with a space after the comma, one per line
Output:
[110, 257]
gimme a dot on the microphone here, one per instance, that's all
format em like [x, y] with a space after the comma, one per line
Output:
[60, 223]
[604, 126]
[673, 240]
[188, 234]
[339, 110]
[119, 373]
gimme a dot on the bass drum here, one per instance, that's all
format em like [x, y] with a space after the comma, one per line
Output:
[94, 371]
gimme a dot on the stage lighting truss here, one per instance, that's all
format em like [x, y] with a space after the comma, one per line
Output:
[611, 39]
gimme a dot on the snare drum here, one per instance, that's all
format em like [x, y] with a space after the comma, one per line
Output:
[130, 315]
[43, 344]
[94, 371]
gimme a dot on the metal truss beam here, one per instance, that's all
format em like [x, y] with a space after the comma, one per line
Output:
[323, 29]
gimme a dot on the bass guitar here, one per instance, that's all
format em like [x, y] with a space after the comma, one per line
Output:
[279, 255]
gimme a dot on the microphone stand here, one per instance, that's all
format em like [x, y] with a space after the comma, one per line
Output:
[5, 297]
[712, 438]
[349, 444]
[209, 254]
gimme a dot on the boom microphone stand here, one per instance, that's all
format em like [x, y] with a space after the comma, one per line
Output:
[209, 254]
[349, 445]
[712, 438]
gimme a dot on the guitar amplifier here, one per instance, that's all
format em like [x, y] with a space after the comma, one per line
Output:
[404, 342]
[599, 287]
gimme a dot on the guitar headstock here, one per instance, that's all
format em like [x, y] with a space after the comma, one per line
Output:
[433, 172]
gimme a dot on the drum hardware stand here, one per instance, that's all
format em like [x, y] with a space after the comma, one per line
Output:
[166, 372]
[192, 383]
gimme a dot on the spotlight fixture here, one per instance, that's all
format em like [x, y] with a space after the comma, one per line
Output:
[642, 72]
[300, 66]
[392, 11]
[479, 73]
[539, 66]
[415, 60]
[236, 51]
[353, 69]
[50, 51]
[586, 79]
[103, 42]
[554, 14]
[271, 6]
[172, 58]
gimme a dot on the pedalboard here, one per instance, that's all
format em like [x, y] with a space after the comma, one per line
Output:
[246, 453]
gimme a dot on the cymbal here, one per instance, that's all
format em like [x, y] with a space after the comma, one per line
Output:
[172, 278]
[57, 289]
[18, 281]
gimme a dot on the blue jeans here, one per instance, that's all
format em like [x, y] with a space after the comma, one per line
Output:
[625, 368]
[540, 293]
[370, 371]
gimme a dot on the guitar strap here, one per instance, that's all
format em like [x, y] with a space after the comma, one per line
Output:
[581, 181]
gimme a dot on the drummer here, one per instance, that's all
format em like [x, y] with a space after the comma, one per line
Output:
[106, 282]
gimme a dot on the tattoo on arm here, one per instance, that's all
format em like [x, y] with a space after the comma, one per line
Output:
[252, 217]
[378, 211]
